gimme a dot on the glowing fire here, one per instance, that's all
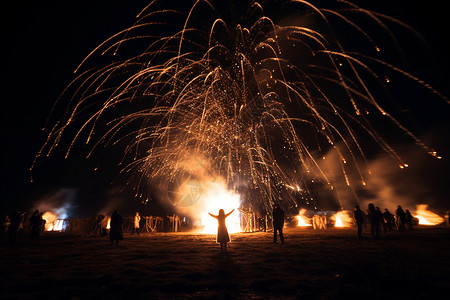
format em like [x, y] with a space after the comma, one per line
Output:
[342, 218]
[218, 197]
[52, 223]
[427, 217]
[108, 224]
[302, 219]
[202, 196]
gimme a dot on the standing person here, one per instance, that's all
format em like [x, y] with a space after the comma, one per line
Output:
[359, 218]
[381, 219]
[37, 224]
[42, 223]
[374, 221]
[222, 232]
[14, 226]
[408, 219]
[5, 227]
[115, 231]
[98, 225]
[401, 218]
[278, 223]
[389, 219]
[136, 223]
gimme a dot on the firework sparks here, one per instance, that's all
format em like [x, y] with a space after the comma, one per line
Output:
[248, 100]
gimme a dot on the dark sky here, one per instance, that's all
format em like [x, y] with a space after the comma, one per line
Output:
[44, 41]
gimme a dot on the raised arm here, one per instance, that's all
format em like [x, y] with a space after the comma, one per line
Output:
[229, 213]
[212, 215]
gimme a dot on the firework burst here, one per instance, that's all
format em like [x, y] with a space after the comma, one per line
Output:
[237, 93]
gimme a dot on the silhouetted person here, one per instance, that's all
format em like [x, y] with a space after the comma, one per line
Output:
[222, 232]
[42, 224]
[5, 226]
[104, 225]
[32, 221]
[115, 231]
[98, 225]
[381, 219]
[278, 223]
[374, 218]
[21, 225]
[389, 219]
[36, 225]
[408, 219]
[401, 218]
[136, 223]
[359, 218]
[14, 226]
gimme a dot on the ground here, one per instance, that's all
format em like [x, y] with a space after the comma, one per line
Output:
[327, 264]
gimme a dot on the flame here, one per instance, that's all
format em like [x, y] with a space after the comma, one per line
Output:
[427, 217]
[108, 224]
[302, 219]
[52, 223]
[342, 218]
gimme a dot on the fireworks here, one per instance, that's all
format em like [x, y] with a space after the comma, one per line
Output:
[249, 95]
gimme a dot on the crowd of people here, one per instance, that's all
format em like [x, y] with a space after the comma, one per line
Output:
[373, 220]
[13, 226]
[382, 222]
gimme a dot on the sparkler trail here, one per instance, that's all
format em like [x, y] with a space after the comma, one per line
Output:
[227, 91]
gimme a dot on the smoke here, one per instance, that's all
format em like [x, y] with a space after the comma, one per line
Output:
[383, 182]
[61, 202]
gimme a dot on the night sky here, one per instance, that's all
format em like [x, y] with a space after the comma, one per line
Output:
[42, 44]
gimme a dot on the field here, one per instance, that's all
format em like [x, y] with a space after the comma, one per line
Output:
[326, 264]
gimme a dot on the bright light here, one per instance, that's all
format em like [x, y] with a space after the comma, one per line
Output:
[342, 218]
[302, 220]
[52, 223]
[427, 217]
[216, 197]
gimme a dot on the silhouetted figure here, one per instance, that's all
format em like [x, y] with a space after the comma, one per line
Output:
[98, 225]
[35, 225]
[448, 218]
[42, 224]
[381, 219]
[408, 219]
[5, 226]
[366, 225]
[32, 218]
[389, 220]
[359, 218]
[374, 218]
[278, 223]
[115, 231]
[136, 223]
[21, 225]
[104, 225]
[222, 232]
[14, 226]
[401, 218]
